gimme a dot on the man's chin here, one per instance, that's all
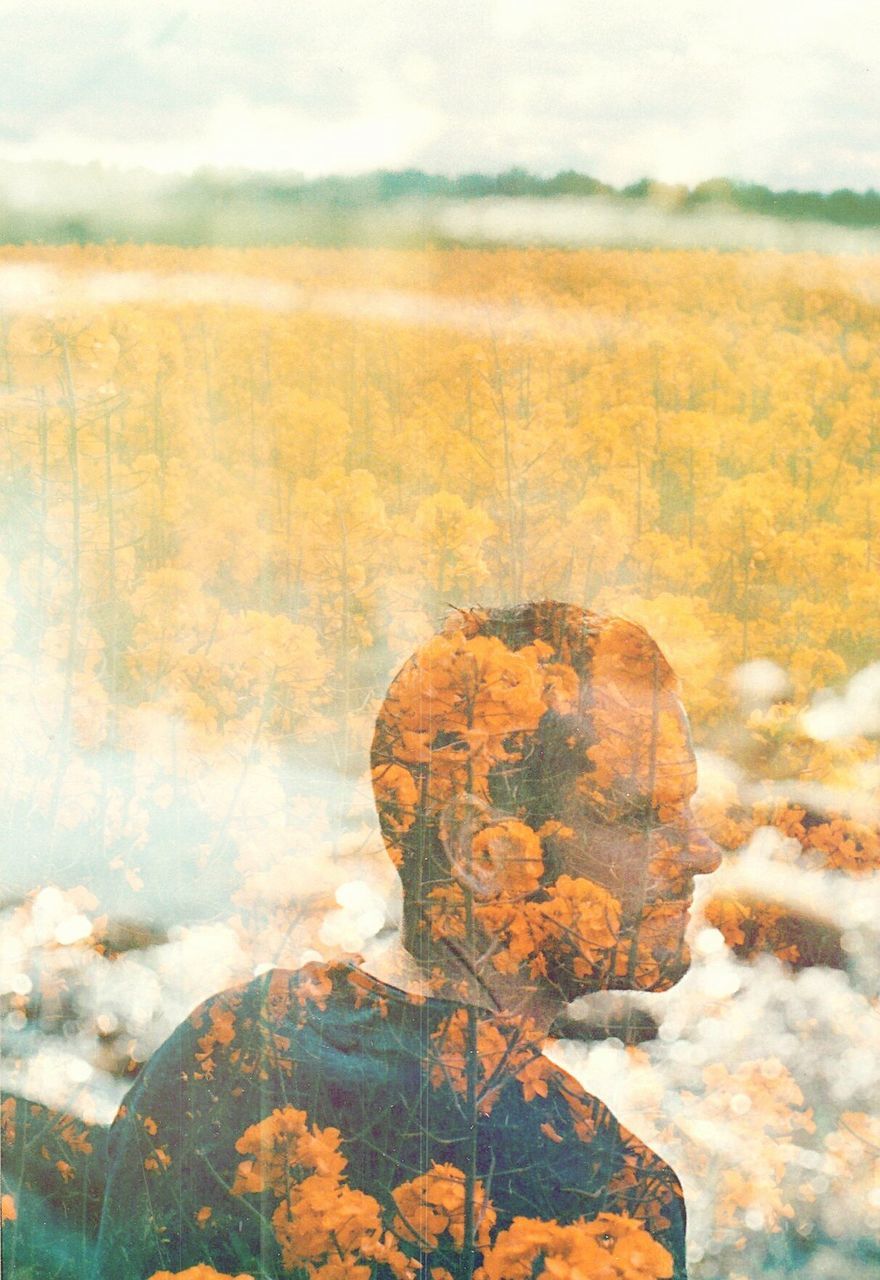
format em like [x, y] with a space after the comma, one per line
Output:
[660, 974]
[671, 971]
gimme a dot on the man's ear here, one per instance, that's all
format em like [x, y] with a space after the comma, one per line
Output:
[461, 822]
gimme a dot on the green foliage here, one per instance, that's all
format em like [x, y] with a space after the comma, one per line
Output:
[67, 204]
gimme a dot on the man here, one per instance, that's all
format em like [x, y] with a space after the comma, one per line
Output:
[533, 771]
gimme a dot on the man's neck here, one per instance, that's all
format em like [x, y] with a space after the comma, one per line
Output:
[448, 974]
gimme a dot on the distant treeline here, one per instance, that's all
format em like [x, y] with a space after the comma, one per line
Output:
[845, 208]
[60, 203]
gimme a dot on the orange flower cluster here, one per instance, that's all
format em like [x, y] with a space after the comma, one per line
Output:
[222, 1032]
[396, 798]
[454, 707]
[751, 927]
[335, 1233]
[201, 1271]
[740, 1191]
[434, 1204]
[251, 1044]
[562, 688]
[840, 843]
[581, 919]
[506, 857]
[453, 1058]
[328, 1230]
[7, 1121]
[322, 1225]
[830, 841]
[277, 1146]
[577, 924]
[610, 1247]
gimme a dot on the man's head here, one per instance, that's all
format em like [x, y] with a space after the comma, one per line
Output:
[533, 770]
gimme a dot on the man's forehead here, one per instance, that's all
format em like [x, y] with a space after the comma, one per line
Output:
[609, 705]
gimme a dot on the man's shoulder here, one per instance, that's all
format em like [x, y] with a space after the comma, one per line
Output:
[238, 1025]
[639, 1182]
[276, 995]
[593, 1121]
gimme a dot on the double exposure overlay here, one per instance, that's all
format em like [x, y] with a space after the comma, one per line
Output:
[271, 523]
[533, 771]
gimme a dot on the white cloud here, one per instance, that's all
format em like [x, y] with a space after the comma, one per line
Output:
[241, 134]
[279, 137]
[856, 712]
[781, 91]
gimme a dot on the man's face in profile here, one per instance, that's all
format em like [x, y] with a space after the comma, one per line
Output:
[536, 798]
[632, 831]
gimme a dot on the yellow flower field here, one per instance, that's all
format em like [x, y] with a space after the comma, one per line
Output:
[241, 486]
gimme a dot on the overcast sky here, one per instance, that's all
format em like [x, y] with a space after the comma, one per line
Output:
[777, 91]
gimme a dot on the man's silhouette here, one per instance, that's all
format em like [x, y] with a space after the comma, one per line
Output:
[533, 771]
